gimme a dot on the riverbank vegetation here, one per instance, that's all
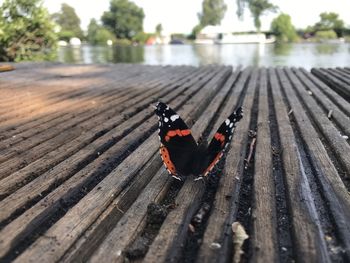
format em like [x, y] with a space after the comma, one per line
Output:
[29, 32]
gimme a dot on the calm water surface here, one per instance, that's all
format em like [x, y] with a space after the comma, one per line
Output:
[305, 55]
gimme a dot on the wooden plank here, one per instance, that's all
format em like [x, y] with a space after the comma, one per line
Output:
[39, 212]
[136, 219]
[18, 156]
[331, 134]
[264, 235]
[330, 93]
[20, 177]
[345, 71]
[85, 199]
[170, 240]
[71, 106]
[333, 188]
[126, 81]
[89, 125]
[218, 228]
[308, 239]
[77, 219]
[88, 243]
[333, 82]
[345, 78]
[340, 118]
[65, 169]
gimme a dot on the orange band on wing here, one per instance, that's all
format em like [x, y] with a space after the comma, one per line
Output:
[217, 158]
[220, 137]
[177, 132]
[166, 159]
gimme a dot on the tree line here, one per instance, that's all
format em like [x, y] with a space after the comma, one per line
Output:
[29, 32]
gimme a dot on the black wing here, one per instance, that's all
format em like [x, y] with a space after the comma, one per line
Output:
[177, 143]
[221, 140]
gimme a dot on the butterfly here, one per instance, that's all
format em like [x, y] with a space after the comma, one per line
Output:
[181, 154]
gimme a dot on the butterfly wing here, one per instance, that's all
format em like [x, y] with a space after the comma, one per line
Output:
[177, 144]
[221, 140]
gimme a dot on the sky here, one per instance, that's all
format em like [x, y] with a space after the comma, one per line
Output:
[180, 16]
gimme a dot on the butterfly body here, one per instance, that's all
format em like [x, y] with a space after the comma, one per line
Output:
[180, 153]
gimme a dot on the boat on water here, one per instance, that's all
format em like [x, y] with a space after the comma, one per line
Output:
[244, 39]
[214, 35]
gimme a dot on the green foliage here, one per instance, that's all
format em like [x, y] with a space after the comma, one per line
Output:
[213, 12]
[124, 19]
[26, 31]
[257, 9]
[326, 35]
[65, 35]
[141, 37]
[123, 42]
[195, 31]
[283, 28]
[159, 29]
[69, 22]
[98, 35]
[330, 21]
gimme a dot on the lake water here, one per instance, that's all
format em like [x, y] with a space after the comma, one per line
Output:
[305, 55]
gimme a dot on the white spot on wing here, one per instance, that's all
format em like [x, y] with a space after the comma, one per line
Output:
[231, 125]
[166, 119]
[227, 122]
[174, 117]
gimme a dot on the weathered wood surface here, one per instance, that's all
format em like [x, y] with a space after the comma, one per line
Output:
[79, 165]
[338, 79]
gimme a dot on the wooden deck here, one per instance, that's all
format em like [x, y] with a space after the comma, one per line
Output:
[81, 179]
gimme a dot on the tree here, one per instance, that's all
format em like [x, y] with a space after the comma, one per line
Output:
[213, 12]
[26, 31]
[69, 22]
[257, 9]
[124, 18]
[330, 21]
[159, 30]
[195, 31]
[283, 28]
[97, 34]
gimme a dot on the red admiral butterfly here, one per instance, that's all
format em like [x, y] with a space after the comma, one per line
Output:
[181, 155]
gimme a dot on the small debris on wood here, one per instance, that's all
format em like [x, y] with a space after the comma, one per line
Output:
[198, 218]
[121, 211]
[328, 238]
[275, 150]
[215, 245]
[252, 134]
[345, 137]
[239, 236]
[191, 228]
[330, 114]
[250, 155]
[310, 92]
[290, 112]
